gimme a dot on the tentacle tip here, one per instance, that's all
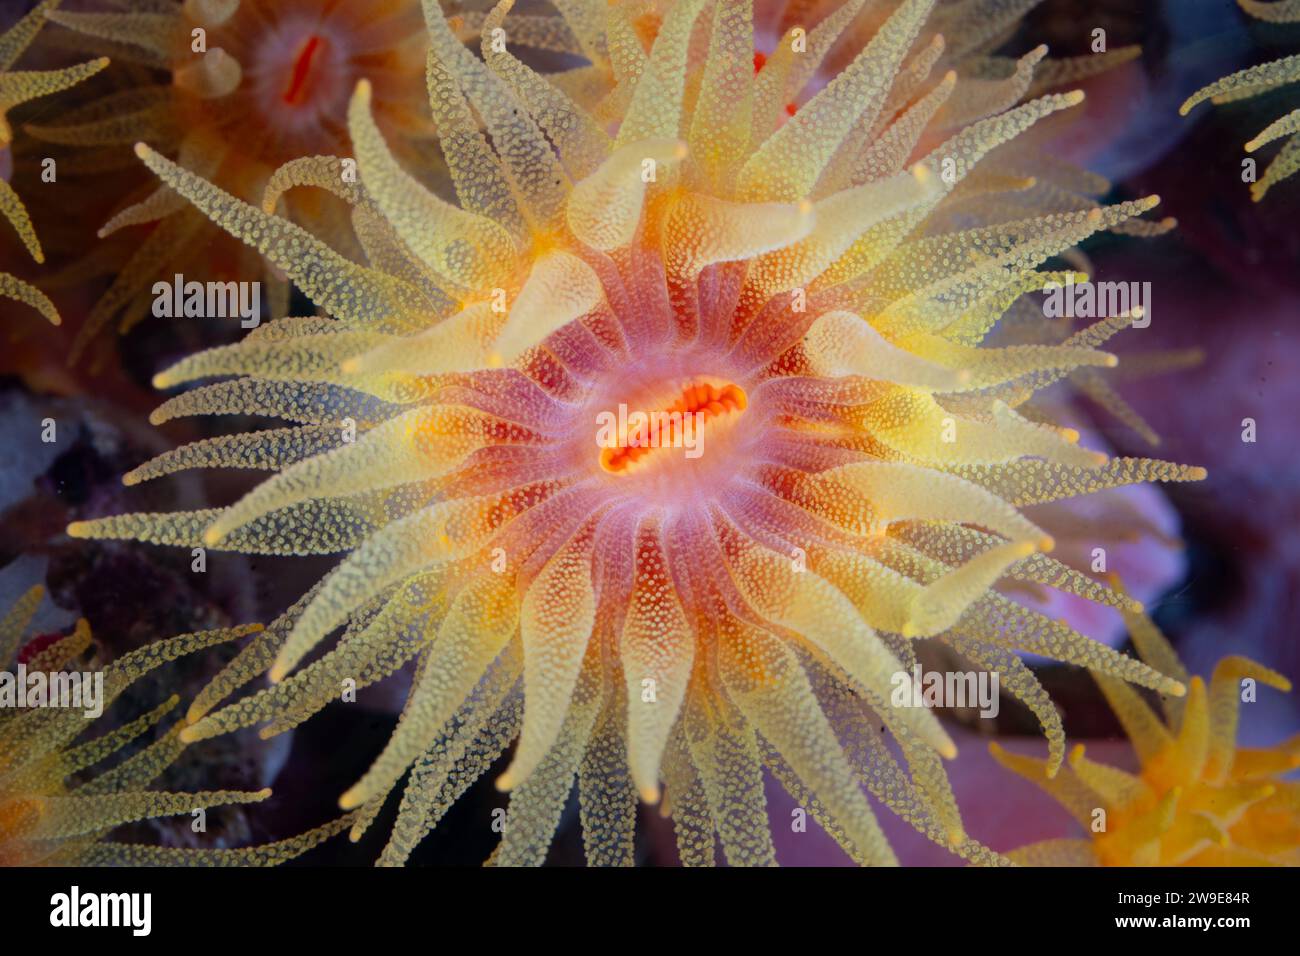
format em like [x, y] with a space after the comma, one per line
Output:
[213, 536]
[189, 735]
[649, 795]
[506, 782]
[1046, 544]
[1198, 474]
[79, 529]
[350, 800]
[1178, 688]
[1075, 97]
[1111, 361]
[948, 750]
[1024, 549]
[142, 151]
[262, 794]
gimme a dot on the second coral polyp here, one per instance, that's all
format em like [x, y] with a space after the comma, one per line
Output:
[298, 62]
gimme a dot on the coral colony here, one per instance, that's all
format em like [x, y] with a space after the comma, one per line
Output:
[686, 393]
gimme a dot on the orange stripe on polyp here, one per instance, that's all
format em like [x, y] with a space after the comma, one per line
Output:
[712, 401]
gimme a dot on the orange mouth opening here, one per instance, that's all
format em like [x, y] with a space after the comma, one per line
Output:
[710, 401]
[294, 93]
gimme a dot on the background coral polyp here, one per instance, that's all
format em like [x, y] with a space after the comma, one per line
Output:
[53, 810]
[674, 628]
[1197, 798]
[264, 85]
[286, 70]
[1257, 81]
[18, 87]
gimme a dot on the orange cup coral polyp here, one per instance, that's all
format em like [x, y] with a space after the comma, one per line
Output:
[249, 87]
[677, 626]
[64, 791]
[18, 87]
[1256, 81]
[51, 810]
[1197, 799]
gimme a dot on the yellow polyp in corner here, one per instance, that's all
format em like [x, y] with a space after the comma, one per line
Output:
[1188, 781]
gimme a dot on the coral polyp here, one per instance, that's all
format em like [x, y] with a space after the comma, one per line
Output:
[1198, 799]
[671, 626]
[243, 87]
[18, 87]
[1258, 81]
[53, 809]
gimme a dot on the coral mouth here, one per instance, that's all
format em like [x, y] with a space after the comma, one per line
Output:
[676, 426]
[295, 92]
[300, 74]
